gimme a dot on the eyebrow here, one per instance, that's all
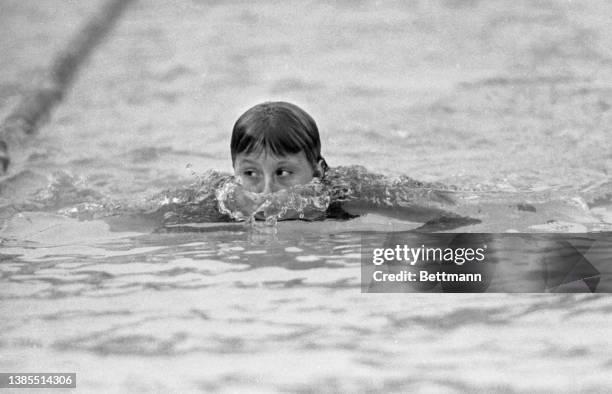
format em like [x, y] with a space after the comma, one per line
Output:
[247, 161]
[285, 162]
[254, 162]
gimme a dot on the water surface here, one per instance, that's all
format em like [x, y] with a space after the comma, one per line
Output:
[488, 96]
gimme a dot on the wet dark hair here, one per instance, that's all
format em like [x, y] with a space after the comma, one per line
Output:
[280, 128]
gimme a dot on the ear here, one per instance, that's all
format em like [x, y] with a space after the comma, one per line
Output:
[319, 168]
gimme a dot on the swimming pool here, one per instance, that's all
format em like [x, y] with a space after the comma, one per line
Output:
[221, 307]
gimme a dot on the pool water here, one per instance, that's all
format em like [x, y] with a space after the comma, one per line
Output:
[230, 309]
[507, 101]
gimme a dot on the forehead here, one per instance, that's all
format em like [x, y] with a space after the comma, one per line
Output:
[268, 158]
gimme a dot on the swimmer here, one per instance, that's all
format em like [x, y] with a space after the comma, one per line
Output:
[280, 173]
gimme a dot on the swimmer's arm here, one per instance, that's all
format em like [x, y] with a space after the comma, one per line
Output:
[193, 204]
[359, 192]
[418, 205]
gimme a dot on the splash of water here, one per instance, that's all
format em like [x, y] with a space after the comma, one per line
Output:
[308, 201]
[213, 197]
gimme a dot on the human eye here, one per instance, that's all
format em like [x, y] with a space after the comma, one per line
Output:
[249, 172]
[283, 172]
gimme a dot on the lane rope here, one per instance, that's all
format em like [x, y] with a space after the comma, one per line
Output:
[35, 107]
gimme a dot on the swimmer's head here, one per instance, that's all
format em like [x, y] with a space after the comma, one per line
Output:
[276, 145]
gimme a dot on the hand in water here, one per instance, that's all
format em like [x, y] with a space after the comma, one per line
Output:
[247, 203]
[262, 206]
[279, 204]
[305, 201]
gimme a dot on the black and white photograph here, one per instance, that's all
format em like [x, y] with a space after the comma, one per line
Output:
[367, 196]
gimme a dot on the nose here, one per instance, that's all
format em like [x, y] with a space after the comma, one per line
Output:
[270, 185]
